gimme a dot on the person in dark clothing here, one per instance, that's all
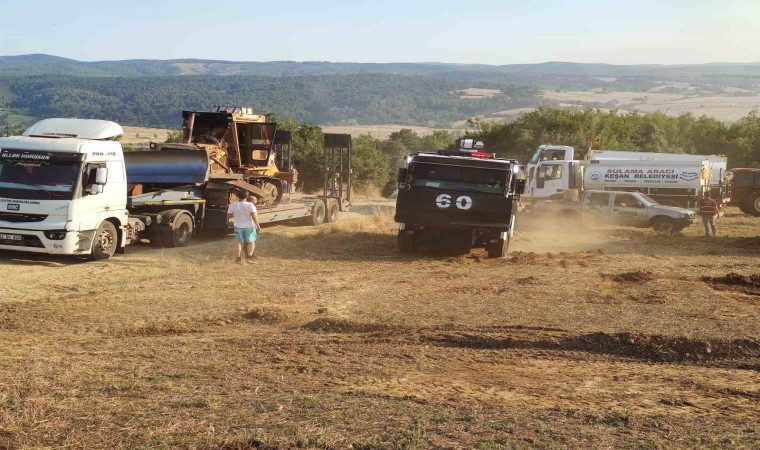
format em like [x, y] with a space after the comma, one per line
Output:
[708, 209]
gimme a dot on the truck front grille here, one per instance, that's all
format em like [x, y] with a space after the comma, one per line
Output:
[20, 217]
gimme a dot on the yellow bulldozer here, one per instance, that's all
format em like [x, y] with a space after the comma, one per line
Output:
[240, 142]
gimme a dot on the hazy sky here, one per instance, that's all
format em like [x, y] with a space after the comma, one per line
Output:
[479, 31]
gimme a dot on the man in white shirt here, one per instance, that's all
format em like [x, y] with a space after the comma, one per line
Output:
[245, 219]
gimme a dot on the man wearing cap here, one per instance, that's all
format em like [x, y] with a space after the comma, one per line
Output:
[245, 219]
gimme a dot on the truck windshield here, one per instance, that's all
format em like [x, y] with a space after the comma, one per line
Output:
[472, 179]
[536, 156]
[38, 180]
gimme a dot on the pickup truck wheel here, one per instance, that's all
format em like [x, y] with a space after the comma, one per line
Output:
[753, 204]
[407, 243]
[105, 242]
[498, 249]
[664, 225]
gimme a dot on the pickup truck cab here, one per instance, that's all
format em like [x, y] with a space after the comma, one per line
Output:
[631, 209]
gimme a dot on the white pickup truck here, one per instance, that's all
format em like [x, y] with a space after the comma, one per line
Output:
[632, 209]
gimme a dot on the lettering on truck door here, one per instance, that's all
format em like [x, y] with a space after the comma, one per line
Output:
[627, 210]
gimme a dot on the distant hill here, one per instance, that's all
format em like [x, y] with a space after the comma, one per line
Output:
[151, 93]
[38, 64]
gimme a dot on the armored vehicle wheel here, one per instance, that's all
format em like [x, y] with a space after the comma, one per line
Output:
[664, 225]
[105, 242]
[407, 243]
[498, 249]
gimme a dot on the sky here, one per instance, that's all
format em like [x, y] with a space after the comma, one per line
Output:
[469, 32]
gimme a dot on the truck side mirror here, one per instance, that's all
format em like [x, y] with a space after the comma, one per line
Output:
[101, 176]
[401, 176]
[95, 189]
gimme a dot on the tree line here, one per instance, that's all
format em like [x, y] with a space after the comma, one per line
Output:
[377, 160]
[615, 130]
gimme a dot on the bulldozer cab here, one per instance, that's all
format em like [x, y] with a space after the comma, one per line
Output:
[237, 137]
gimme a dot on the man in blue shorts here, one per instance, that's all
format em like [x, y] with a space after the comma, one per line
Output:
[245, 219]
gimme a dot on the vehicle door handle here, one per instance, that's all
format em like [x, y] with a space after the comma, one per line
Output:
[616, 209]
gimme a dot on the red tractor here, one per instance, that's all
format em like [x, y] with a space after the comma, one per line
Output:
[745, 190]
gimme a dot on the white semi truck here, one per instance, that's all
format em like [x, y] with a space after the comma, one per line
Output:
[67, 188]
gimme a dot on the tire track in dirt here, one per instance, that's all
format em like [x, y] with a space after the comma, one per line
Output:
[650, 348]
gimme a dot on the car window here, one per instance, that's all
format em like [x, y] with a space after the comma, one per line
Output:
[598, 199]
[627, 201]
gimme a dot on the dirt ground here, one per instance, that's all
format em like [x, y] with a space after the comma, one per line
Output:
[580, 338]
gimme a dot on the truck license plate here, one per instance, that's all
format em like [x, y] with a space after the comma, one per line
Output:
[11, 237]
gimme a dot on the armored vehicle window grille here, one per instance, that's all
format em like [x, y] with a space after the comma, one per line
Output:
[488, 181]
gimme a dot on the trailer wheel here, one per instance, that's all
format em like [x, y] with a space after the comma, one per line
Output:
[332, 211]
[317, 214]
[498, 249]
[105, 242]
[180, 232]
[753, 204]
[664, 225]
[407, 242]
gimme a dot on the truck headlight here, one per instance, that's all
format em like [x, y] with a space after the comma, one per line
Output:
[55, 235]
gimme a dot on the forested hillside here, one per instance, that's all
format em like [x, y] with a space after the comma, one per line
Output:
[157, 101]
[38, 64]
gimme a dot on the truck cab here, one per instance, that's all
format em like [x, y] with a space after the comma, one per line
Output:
[63, 189]
[548, 153]
[462, 199]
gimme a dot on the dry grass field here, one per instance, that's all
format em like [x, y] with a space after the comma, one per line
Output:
[722, 107]
[609, 338]
[142, 135]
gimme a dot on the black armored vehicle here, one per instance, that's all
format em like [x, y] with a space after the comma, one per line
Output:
[459, 199]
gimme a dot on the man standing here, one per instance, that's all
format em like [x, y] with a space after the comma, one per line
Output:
[245, 219]
[708, 209]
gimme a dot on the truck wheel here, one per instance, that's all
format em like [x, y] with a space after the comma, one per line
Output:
[332, 211]
[753, 204]
[317, 214]
[664, 225]
[181, 232]
[105, 242]
[407, 243]
[498, 249]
